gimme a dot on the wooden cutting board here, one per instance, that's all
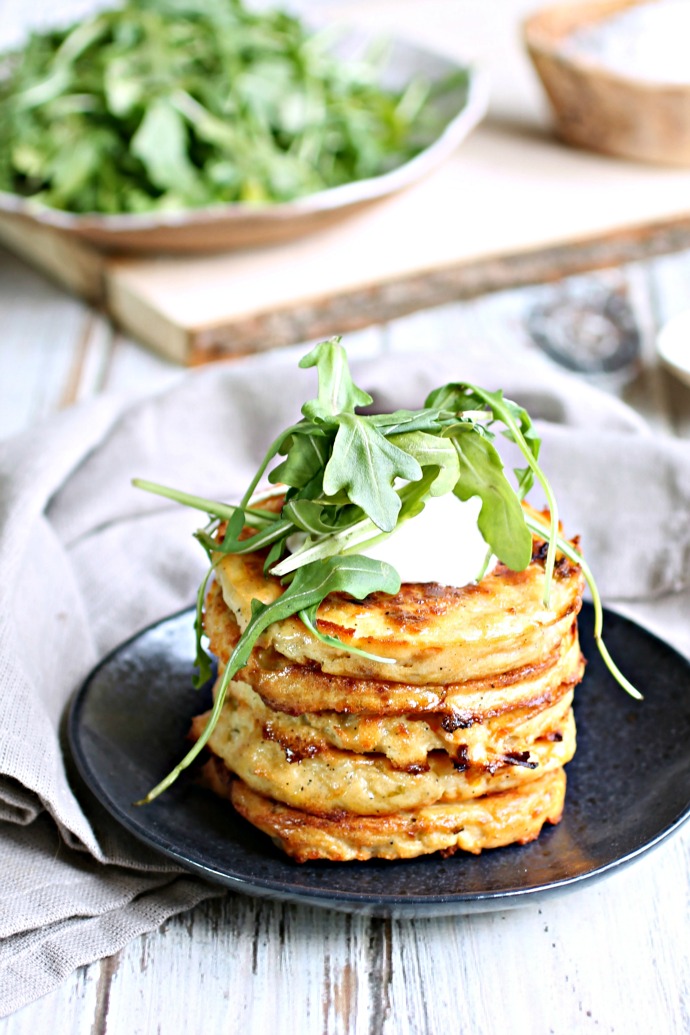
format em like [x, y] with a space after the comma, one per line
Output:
[512, 206]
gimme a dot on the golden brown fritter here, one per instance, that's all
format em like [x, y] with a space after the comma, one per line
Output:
[291, 767]
[514, 816]
[435, 634]
[407, 739]
[459, 744]
[296, 689]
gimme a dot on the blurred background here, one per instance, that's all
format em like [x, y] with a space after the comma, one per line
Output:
[518, 244]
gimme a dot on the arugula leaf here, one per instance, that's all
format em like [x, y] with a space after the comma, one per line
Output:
[355, 575]
[365, 464]
[463, 397]
[70, 171]
[519, 429]
[501, 407]
[337, 392]
[402, 421]
[501, 518]
[307, 455]
[311, 517]
[518, 425]
[432, 451]
[320, 518]
[276, 447]
[161, 144]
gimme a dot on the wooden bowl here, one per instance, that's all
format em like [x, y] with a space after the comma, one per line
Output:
[601, 109]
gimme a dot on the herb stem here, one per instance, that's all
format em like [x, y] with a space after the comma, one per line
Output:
[273, 449]
[332, 641]
[200, 744]
[572, 554]
[224, 511]
[360, 535]
[343, 542]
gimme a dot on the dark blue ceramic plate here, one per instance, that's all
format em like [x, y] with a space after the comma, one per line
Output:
[628, 785]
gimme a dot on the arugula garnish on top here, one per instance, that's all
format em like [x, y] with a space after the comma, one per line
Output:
[160, 105]
[350, 480]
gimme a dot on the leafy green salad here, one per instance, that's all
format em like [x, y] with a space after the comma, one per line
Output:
[162, 105]
[349, 480]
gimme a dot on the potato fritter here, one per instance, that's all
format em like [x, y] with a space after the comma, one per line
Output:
[511, 817]
[435, 634]
[459, 744]
[291, 767]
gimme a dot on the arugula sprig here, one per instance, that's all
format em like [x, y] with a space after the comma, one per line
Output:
[347, 480]
[566, 548]
[358, 576]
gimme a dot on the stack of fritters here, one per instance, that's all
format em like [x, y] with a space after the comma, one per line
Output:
[458, 745]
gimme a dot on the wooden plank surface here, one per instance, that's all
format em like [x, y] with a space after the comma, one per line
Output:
[70, 263]
[511, 207]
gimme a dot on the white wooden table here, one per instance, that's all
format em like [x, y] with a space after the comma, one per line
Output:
[613, 957]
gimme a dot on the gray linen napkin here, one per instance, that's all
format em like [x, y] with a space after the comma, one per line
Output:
[86, 561]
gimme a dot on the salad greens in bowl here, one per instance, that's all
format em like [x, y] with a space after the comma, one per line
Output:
[194, 124]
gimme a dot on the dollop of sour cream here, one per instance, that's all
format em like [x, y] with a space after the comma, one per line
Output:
[442, 544]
